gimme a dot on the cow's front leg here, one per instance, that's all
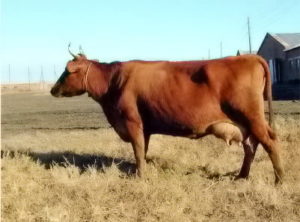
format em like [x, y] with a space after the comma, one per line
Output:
[147, 139]
[135, 130]
[134, 125]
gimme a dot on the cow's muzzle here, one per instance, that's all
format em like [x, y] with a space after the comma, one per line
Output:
[55, 91]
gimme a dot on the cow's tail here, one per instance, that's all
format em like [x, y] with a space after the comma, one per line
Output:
[268, 90]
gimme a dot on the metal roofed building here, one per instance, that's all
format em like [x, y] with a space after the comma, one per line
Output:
[282, 52]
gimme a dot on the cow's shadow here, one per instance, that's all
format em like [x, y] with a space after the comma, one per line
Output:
[101, 162]
[205, 172]
[81, 161]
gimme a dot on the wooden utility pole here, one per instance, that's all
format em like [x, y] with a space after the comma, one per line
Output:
[54, 73]
[42, 80]
[28, 72]
[9, 74]
[221, 49]
[249, 35]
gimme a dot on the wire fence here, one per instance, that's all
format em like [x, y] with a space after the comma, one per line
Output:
[18, 74]
[31, 78]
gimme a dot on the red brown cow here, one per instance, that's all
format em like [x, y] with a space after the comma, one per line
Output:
[224, 97]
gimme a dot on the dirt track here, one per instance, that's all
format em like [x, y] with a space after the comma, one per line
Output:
[35, 111]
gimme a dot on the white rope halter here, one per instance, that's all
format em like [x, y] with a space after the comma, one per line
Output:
[86, 77]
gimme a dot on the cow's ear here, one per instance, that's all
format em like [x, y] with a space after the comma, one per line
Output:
[72, 67]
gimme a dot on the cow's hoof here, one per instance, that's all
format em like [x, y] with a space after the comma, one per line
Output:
[150, 161]
[239, 177]
[278, 181]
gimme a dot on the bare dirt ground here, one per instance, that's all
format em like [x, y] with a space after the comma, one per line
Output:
[61, 161]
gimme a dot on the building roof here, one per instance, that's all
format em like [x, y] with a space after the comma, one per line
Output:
[288, 40]
[291, 48]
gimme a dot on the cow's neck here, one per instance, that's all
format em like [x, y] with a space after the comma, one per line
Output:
[109, 103]
[101, 78]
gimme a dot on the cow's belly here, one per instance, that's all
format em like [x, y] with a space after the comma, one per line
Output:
[187, 115]
[216, 123]
[188, 127]
[167, 127]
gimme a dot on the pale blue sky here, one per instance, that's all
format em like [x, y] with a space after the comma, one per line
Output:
[36, 33]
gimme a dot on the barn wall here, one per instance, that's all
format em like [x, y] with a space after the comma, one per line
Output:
[293, 64]
[273, 52]
[271, 49]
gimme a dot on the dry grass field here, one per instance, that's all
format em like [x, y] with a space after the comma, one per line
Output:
[61, 161]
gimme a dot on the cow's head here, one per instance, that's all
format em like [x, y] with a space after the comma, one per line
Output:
[72, 80]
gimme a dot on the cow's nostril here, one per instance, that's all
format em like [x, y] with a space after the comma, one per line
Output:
[54, 91]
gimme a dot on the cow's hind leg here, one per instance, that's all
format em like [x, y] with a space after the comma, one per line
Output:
[264, 134]
[251, 112]
[250, 146]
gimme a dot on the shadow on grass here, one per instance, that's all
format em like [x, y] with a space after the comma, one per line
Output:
[71, 128]
[213, 175]
[82, 161]
[100, 162]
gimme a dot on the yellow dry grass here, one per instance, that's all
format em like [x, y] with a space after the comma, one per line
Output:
[56, 173]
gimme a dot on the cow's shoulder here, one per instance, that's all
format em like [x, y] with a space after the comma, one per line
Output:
[140, 74]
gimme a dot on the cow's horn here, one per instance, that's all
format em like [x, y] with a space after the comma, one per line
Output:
[70, 51]
[80, 50]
